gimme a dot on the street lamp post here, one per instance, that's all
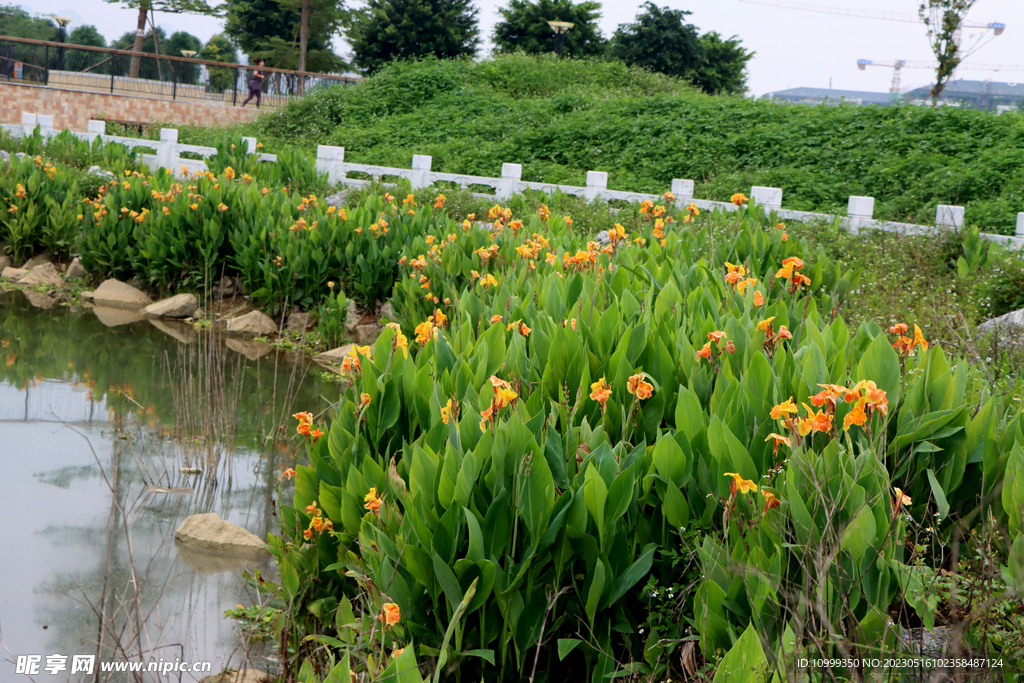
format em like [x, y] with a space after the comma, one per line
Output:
[560, 28]
[63, 23]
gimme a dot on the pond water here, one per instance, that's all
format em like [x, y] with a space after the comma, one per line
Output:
[92, 418]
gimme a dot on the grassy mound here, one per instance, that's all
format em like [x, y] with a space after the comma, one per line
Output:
[562, 118]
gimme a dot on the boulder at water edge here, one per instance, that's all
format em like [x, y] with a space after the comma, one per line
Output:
[214, 535]
[75, 271]
[177, 306]
[13, 274]
[300, 322]
[367, 334]
[255, 323]
[334, 356]
[1012, 322]
[43, 274]
[5, 262]
[116, 294]
[38, 260]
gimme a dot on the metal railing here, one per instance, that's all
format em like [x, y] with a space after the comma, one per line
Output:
[107, 70]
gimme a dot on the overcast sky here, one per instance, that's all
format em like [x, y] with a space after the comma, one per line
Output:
[794, 48]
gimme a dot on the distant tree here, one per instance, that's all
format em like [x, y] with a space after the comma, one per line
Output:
[179, 42]
[220, 49]
[271, 30]
[148, 67]
[87, 35]
[144, 7]
[722, 67]
[659, 40]
[386, 30]
[943, 19]
[524, 27]
[80, 60]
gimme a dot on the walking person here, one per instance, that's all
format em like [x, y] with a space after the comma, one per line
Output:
[256, 85]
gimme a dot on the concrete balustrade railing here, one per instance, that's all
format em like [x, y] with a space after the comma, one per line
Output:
[331, 162]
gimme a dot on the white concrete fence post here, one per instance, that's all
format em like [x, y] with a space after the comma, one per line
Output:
[166, 150]
[45, 125]
[1020, 225]
[28, 123]
[768, 197]
[947, 216]
[683, 191]
[250, 145]
[597, 185]
[331, 160]
[860, 210]
[96, 130]
[421, 176]
[511, 176]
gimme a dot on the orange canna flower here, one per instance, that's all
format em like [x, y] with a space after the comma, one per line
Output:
[304, 428]
[304, 417]
[787, 407]
[740, 484]
[390, 614]
[316, 434]
[857, 416]
[600, 391]
[758, 298]
[495, 318]
[372, 501]
[919, 339]
[717, 335]
[364, 399]
[784, 333]
[739, 199]
[638, 387]
[705, 351]
[901, 498]
[770, 501]
[424, 331]
[766, 325]
[287, 474]
[899, 328]
[779, 440]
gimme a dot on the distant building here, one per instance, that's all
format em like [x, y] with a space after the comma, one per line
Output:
[827, 96]
[986, 95]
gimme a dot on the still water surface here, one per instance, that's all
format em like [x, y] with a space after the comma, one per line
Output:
[91, 417]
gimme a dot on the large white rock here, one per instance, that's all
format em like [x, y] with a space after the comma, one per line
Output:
[116, 294]
[367, 334]
[75, 271]
[13, 274]
[300, 322]
[177, 306]
[1011, 322]
[254, 323]
[218, 536]
[37, 260]
[43, 274]
[334, 356]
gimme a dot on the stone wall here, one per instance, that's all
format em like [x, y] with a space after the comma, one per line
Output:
[72, 109]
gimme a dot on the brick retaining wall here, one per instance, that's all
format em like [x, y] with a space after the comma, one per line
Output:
[72, 109]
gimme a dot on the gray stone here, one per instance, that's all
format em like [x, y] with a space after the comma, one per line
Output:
[217, 536]
[115, 317]
[227, 288]
[352, 317]
[75, 271]
[1011, 322]
[334, 356]
[244, 676]
[602, 237]
[44, 274]
[40, 300]
[367, 334]
[388, 311]
[5, 262]
[116, 294]
[13, 274]
[177, 306]
[300, 322]
[87, 296]
[38, 260]
[337, 200]
[254, 323]
[96, 170]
